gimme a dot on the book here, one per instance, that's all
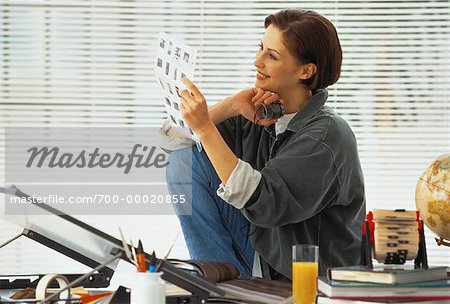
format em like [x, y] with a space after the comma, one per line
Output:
[326, 300]
[257, 290]
[432, 290]
[215, 272]
[237, 290]
[387, 274]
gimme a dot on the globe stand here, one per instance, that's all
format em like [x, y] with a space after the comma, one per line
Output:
[399, 257]
[442, 241]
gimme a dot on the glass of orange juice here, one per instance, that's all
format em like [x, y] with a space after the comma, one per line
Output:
[305, 268]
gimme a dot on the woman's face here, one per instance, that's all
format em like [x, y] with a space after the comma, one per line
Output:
[277, 70]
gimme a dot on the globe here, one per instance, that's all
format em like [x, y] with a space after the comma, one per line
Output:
[433, 198]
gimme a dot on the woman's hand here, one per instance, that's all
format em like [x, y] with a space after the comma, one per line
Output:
[195, 113]
[194, 109]
[245, 103]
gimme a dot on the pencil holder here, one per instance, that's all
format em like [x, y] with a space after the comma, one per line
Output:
[148, 287]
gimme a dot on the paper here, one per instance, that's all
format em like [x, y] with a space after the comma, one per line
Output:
[174, 60]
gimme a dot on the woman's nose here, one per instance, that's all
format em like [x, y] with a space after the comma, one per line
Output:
[258, 60]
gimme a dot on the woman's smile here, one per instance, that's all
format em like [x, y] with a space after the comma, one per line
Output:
[261, 76]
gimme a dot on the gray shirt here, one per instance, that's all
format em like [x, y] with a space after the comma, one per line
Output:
[244, 179]
[311, 189]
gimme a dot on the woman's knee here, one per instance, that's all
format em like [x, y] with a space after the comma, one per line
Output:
[179, 165]
[179, 179]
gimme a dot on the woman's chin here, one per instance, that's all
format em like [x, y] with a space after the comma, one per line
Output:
[260, 84]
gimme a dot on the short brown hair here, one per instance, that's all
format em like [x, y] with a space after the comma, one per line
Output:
[311, 38]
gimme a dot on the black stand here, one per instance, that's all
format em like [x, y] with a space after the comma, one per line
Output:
[366, 246]
[421, 261]
[200, 288]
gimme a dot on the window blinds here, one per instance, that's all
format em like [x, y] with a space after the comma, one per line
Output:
[85, 62]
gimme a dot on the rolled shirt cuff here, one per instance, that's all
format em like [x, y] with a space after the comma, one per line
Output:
[175, 141]
[241, 184]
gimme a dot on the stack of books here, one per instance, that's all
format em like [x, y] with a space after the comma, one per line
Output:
[385, 284]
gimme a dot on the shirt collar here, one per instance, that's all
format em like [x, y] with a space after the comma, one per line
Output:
[283, 122]
[313, 105]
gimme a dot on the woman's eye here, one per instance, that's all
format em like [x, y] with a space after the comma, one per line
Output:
[261, 47]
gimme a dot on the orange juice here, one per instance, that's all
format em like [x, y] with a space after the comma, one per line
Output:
[304, 282]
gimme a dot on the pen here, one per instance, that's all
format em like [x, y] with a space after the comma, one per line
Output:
[152, 267]
[161, 262]
[126, 248]
[140, 256]
[133, 252]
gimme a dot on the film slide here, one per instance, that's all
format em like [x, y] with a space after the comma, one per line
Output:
[174, 60]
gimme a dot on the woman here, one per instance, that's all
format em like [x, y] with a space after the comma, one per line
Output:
[260, 187]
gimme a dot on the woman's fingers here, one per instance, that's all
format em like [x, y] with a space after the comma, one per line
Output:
[186, 96]
[258, 93]
[266, 97]
[194, 91]
[188, 103]
[272, 98]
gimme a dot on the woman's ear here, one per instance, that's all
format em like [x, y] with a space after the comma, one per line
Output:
[307, 71]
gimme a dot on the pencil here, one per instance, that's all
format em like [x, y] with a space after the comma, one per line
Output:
[140, 256]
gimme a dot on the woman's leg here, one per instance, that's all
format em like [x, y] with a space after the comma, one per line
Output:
[215, 230]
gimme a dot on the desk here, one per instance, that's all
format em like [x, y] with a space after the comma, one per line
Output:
[177, 295]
